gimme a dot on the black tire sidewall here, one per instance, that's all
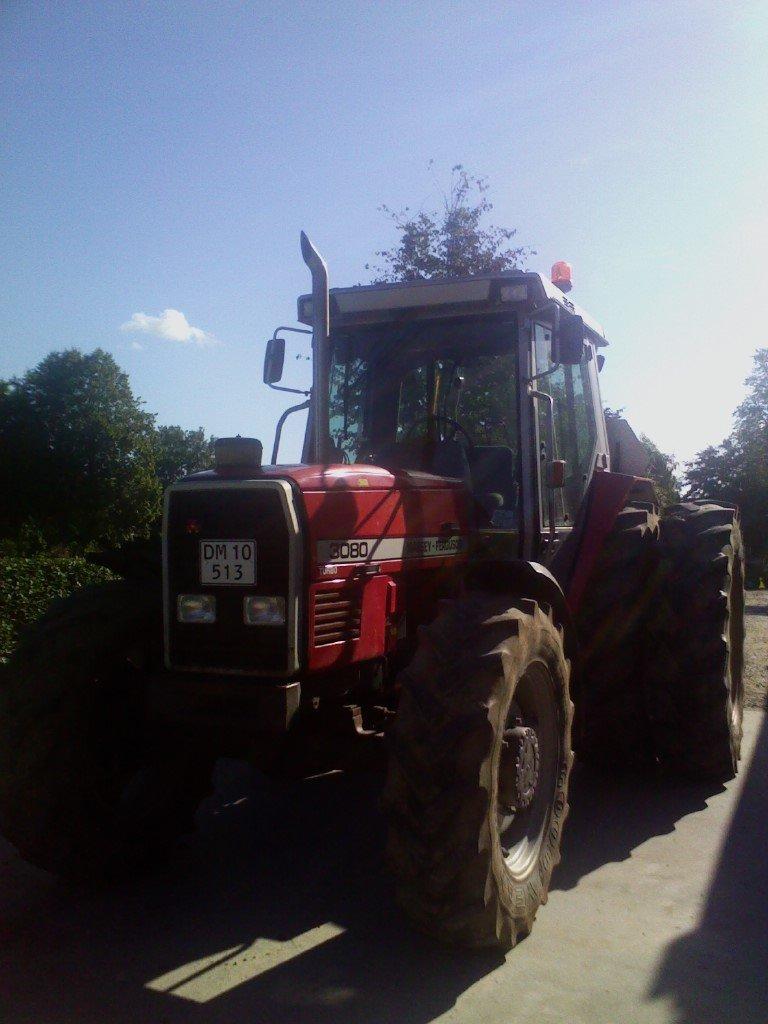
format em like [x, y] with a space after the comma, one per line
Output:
[74, 730]
[522, 897]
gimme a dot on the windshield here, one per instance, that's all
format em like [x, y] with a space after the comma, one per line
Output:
[437, 396]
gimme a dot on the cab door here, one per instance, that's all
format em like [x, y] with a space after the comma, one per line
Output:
[577, 438]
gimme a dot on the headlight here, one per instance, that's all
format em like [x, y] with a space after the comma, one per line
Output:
[264, 611]
[195, 608]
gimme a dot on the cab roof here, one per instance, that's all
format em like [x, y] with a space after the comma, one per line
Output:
[484, 293]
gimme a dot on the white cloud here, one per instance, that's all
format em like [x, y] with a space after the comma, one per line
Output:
[171, 325]
[137, 346]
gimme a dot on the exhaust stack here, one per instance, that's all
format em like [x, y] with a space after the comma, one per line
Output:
[320, 331]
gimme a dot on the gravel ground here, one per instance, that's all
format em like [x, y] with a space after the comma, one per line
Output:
[756, 659]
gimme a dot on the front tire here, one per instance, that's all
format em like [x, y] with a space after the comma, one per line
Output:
[477, 789]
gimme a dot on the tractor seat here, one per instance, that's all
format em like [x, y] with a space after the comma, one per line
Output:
[443, 458]
[494, 480]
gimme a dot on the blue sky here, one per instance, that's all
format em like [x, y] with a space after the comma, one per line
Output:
[165, 157]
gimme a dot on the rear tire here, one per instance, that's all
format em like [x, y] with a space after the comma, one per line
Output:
[612, 729]
[477, 787]
[696, 691]
[84, 787]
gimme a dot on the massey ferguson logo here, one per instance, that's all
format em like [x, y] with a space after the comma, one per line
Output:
[389, 549]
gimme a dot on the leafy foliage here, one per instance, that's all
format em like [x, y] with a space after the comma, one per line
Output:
[736, 470]
[662, 469]
[179, 451]
[77, 453]
[82, 466]
[29, 584]
[452, 241]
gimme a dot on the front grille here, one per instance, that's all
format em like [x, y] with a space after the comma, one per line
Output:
[243, 510]
[337, 615]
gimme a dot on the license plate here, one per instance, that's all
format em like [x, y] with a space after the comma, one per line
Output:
[228, 562]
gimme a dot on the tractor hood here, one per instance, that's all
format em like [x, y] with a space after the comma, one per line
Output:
[341, 476]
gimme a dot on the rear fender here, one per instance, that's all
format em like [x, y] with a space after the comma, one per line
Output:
[608, 494]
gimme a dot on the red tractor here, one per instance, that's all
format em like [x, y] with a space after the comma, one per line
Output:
[455, 577]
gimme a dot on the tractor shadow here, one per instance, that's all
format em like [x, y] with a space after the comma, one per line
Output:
[300, 865]
[611, 815]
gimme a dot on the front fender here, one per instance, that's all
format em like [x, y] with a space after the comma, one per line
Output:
[533, 580]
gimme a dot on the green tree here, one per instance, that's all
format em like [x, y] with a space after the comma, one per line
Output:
[453, 241]
[179, 451]
[736, 470]
[662, 468]
[77, 459]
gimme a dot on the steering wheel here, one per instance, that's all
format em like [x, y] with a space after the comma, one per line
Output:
[446, 435]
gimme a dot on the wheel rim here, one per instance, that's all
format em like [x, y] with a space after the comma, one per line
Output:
[528, 770]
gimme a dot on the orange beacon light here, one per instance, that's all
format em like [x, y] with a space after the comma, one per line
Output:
[561, 275]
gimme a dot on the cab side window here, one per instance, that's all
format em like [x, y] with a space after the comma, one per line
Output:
[575, 431]
[347, 407]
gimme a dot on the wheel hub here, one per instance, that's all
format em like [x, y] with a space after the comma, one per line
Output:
[519, 768]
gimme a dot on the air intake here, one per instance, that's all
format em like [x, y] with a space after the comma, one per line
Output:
[237, 453]
[337, 615]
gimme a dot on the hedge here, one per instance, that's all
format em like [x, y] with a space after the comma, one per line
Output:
[28, 585]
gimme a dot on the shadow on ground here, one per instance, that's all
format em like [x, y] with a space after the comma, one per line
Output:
[297, 871]
[612, 815]
[299, 865]
[733, 929]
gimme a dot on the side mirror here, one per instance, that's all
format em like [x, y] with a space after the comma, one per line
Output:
[568, 342]
[274, 358]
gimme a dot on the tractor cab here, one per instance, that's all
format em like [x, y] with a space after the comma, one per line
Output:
[491, 380]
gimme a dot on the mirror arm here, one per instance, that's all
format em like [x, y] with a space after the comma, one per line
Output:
[279, 387]
[544, 373]
[291, 391]
[296, 330]
[281, 421]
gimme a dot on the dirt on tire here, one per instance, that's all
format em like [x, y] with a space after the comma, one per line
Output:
[695, 679]
[463, 873]
[611, 726]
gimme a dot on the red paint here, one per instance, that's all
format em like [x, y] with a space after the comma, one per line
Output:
[406, 505]
[341, 476]
[373, 514]
[344, 502]
[372, 594]
[607, 496]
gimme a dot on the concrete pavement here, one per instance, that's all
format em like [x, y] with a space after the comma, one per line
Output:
[278, 910]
